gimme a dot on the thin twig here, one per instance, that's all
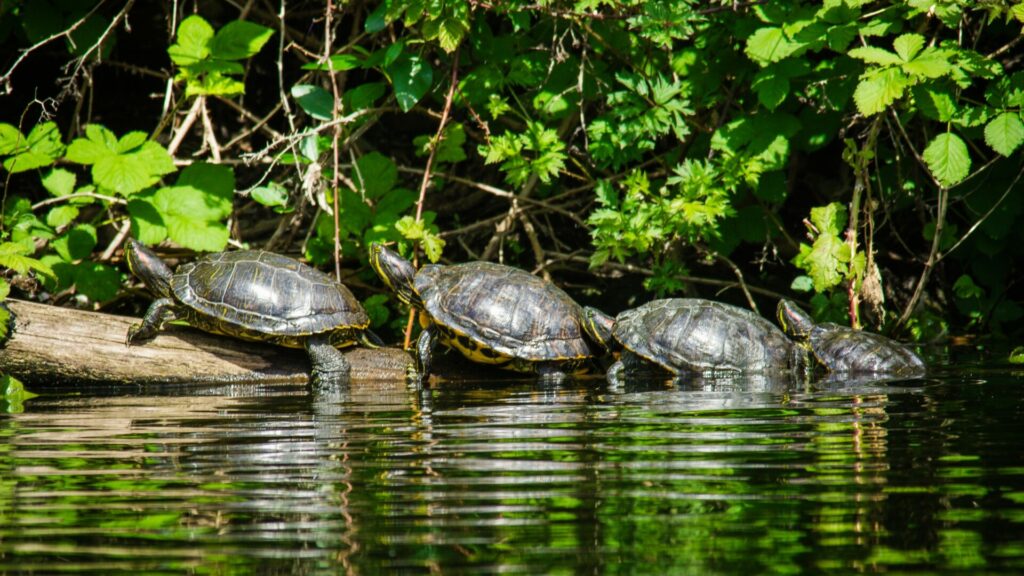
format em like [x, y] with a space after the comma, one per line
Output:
[932, 258]
[186, 125]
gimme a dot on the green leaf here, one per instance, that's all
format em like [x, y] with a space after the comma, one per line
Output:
[363, 96]
[184, 210]
[377, 21]
[59, 182]
[13, 393]
[908, 46]
[932, 63]
[193, 41]
[802, 284]
[376, 173]
[433, 245]
[216, 182]
[937, 104]
[44, 147]
[948, 159]
[11, 139]
[410, 228]
[450, 32]
[147, 223]
[131, 141]
[1005, 133]
[5, 290]
[878, 89]
[316, 101]
[411, 78]
[771, 88]
[338, 62]
[14, 255]
[1017, 355]
[96, 281]
[61, 216]
[874, 55]
[768, 45]
[273, 195]
[76, 244]
[826, 262]
[830, 220]
[239, 40]
[86, 151]
[377, 309]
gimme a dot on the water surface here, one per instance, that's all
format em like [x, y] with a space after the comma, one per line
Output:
[919, 476]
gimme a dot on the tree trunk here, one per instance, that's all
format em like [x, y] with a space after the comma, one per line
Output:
[49, 345]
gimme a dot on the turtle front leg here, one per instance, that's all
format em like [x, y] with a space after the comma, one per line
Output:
[331, 371]
[160, 311]
[424, 352]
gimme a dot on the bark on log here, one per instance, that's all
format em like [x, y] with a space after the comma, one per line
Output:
[57, 346]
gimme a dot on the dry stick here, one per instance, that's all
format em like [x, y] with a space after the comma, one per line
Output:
[932, 260]
[122, 15]
[126, 227]
[426, 172]
[185, 126]
[859, 185]
[739, 279]
[208, 135]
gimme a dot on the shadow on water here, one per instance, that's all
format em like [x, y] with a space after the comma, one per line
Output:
[717, 476]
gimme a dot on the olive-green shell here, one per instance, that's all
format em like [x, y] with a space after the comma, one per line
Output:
[843, 349]
[266, 293]
[504, 309]
[703, 336]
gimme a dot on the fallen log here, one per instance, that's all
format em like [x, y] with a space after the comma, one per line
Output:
[50, 345]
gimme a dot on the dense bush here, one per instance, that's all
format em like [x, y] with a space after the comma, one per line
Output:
[865, 155]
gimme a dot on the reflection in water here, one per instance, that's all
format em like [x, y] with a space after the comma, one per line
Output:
[702, 477]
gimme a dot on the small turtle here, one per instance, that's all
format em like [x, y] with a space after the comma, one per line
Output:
[697, 337]
[845, 350]
[257, 296]
[491, 313]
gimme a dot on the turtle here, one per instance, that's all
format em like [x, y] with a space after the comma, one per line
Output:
[696, 337]
[843, 350]
[256, 296]
[492, 314]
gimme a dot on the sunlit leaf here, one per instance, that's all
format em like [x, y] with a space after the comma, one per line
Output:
[948, 159]
[192, 42]
[59, 182]
[98, 282]
[1005, 133]
[238, 40]
[411, 78]
[316, 101]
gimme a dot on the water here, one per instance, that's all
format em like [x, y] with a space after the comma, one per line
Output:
[921, 476]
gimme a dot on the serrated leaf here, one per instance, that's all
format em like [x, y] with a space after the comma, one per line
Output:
[410, 228]
[239, 40]
[1017, 354]
[76, 244]
[875, 55]
[146, 222]
[830, 220]
[85, 151]
[14, 255]
[770, 44]
[189, 220]
[98, 282]
[827, 262]
[61, 215]
[376, 174]
[932, 63]
[771, 90]
[316, 101]
[802, 284]
[936, 104]
[272, 195]
[26, 161]
[59, 182]
[411, 78]
[877, 90]
[192, 42]
[131, 141]
[42, 147]
[123, 174]
[1005, 133]
[363, 96]
[433, 246]
[908, 46]
[11, 139]
[450, 32]
[5, 290]
[948, 159]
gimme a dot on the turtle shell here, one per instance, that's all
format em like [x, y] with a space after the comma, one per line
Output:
[504, 310]
[843, 349]
[703, 336]
[252, 293]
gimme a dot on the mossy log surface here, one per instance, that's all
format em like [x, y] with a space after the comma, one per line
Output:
[50, 345]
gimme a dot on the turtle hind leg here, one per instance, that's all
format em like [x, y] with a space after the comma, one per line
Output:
[331, 371]
[160, 311]
[424, 354]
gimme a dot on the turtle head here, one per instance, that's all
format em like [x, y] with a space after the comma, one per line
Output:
[148, 267]
[598, 326]
[396, 272]
[794, 321]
